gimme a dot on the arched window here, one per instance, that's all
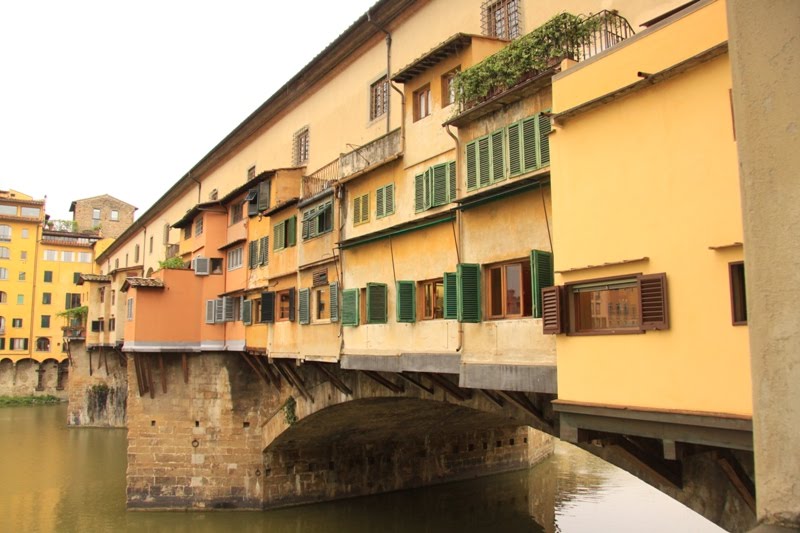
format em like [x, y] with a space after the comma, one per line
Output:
[5, 232]
[3, 273]
[3, 297]
[5, 253]
[2, 325]
[42, 344]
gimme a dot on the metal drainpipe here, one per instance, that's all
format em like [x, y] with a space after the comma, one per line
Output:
[459, 228]
[392, 85]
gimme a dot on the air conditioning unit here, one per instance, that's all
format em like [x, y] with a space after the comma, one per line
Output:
[201, 266]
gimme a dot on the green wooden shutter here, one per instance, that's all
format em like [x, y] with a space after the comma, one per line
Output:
[268, 307]
[469, 292]
[365, 208]
[334, 299]
[380, 203]
[292, 304]
[472, 165]
[498, 155]
[252, 204]
[541, 277]
[304, 312]
[263, 256]
[484, 162]
[450, 295]
[419, 193]
[263, 195]
[514, 149]
[389, 198]
[451, 181]
[544, 139]
[439, 189]
[406, 301]
[247, 312]
[376, 303]
[291, 231]
[279, 236]
[350, 307]
[252, 253]
[529, 144]
[308, 217]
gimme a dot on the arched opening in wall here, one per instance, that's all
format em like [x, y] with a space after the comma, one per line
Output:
[43, 344]
[25, 375]
[375, 445]
[6, 376]
[150, 272]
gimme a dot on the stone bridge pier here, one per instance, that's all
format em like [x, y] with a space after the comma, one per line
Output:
[227, 430]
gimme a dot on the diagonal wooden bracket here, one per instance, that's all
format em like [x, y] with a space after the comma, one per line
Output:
[451, 388]
[374, 376]
[523, 402]
[294, 379]
[416, 382]
[334, 379]
[737, 476]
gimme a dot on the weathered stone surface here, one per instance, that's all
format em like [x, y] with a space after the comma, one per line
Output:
[22, 378]
[97, 398]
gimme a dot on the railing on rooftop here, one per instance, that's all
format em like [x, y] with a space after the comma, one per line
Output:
[69, 241]
[612, 28]
[61, 225]
[320, 179]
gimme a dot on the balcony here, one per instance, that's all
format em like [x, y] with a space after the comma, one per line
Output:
[371, 155]
[74, 332]
[320, 180]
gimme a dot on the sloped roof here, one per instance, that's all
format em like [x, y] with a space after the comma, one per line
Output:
[142, 283]
[107, 196]
[99, 278]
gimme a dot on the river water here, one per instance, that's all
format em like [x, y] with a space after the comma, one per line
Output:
[53, 478]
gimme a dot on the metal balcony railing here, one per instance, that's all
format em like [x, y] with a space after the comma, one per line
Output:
[611, 29]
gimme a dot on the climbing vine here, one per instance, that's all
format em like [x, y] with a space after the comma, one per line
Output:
[75, 312]
[289, 411]
[557, 38]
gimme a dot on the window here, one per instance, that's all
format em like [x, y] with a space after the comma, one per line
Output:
[449, 87]
[187, 232]
[45, 321]
[50, 255]
[321, 301]
[216, 265]
[23, 255]
[251, 173]
[361, 209]
[165, 237]
[378, 98]
[76, 277]
[48, 276]
[285, 305]
[630, 304]
[136, 254]
[300, 145]
[21, 276]
[285, 233]
[24, 233]
[422, 102]
[8, 210]
[20, 299]
[112, 324]
[318, 220]
[46, 298]
[384, 201]
[32, 212]
[101, 292]
[5, 232]
[5, 253]
[3, 297]
[435, 187]
[150, 245]
[432, 299]
[520, 147]
[19, 344]
[236, 212]
[508, 290]
[198, 226]
[2, 325]
[258, 198]
[376, 311]
[113, 297]
[501, 18]
[16, 322]
[129, 310]
[3, 273]
[235, 258]
[67, 257]
[116, 263]
[97, 326]
[114, 215]
[42, 344]
[95, 214]
[263, 253]
[738, 296]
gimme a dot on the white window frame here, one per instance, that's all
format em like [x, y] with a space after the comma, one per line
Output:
[235, 256]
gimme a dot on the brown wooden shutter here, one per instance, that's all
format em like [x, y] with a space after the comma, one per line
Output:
[553, 310]
[653, 301]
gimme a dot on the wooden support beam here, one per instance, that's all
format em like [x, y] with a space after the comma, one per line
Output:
[523, 402]
[275, 381]
[335, 380]
[272, 373]
[377, 378]
[105, 361]
[137, 366]
[91, 370]
[255, 369]
[668, 472]
[738, 477]
[149, 371]
[298, 380]
[416, 382]
[185, 365]
[162, 372]
[495, 398]
[451, 388]
[290, 379]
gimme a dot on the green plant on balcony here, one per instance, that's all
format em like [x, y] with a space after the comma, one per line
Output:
[172, 263]
[557, 38]
[75, 312]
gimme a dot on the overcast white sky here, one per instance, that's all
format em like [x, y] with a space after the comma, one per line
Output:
[123, 98]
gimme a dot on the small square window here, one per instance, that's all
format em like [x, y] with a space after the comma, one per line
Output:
[114, 215]
[501, 19]
[251, 173]
[95, 215]
[300, 147]
[284, 305]
[378, 98]
[422, 102]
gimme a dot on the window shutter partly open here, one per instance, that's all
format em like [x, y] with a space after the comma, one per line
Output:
[419, 193]
[469, 292]
[541, 277]
[229, 303]
[653, 301]
[292, 304]
[472, 165]
[291, 231]
[450, 295]
[210, 311]
[263, 255]
[219, 310]
[376, 303]
[451, 181]
[553, 301]
[305, 315]
[439, 189]
[252, 253]
[268, 307]
[334, 301]
[544, 139]
[350, 307]
[247, 312]
[406, 301]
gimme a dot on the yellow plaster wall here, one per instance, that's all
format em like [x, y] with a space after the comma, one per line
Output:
[655, 175]
[320, 338]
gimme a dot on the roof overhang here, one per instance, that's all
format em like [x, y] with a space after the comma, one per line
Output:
[439, 53]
